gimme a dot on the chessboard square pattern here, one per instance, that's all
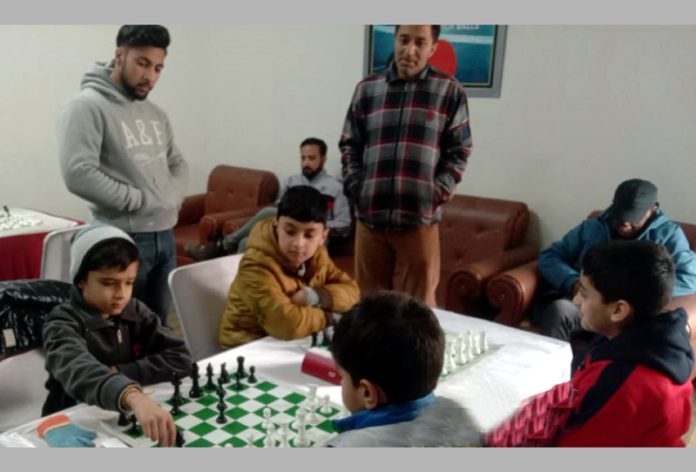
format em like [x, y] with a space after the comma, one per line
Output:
[217, 436]
[202, 429]
[235, 428]
[205, 414]
[235, 442]
[188, 422]
[266, 398]
[200, 442]
[259, 412]
[294, 398]
[236, 399]
[265, 386]
[207, 400]
[236, 412]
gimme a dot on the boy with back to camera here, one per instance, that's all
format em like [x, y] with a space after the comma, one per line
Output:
[389, 350]
[287, 286]
[102, 345]
[633, 388]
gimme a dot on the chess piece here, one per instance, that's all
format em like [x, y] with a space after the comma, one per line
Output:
[325, 408]
[237, 381]
[176, 381]
[301, 440]
[266, 418]
[284, 433]
[196, 391]
[250, 439]
[240, 367]
[269, 440]
[315, 335]
[477, 344]
[175, 405]
[179, 441]
[135, 428]
[300, 418]
[458, 354]
[123, 419]
[210, 385]
[224, 376]
[252, 375]
[484, 341]
[221, 419]
[313, 418]
[312, 394]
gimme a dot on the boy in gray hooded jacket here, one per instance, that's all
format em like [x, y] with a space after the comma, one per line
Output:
[117, 151]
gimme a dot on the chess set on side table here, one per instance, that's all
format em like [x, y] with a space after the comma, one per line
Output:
[239, 410]
[9, 221]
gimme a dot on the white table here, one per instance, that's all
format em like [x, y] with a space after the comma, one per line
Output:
[518, 365]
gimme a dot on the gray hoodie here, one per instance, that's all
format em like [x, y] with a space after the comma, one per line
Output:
[119, 154]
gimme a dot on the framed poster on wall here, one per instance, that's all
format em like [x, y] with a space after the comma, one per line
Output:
[472, 53]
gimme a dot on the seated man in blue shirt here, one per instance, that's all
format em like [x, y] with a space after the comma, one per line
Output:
[634, 214]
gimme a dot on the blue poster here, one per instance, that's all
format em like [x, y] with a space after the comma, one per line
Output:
[466, 51]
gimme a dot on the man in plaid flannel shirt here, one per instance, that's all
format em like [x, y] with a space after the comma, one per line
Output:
[404, 146]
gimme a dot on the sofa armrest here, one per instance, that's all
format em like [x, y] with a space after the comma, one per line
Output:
[470, 281]
[211, 225]
[238, 219]
[687, 302]
[512, 292]
[192, 209]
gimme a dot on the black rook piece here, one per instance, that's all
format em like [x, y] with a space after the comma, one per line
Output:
[210, 385]
[240, 367]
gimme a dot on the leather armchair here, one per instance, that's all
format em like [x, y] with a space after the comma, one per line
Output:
[512, 290]
[479, 238]
[232, 193]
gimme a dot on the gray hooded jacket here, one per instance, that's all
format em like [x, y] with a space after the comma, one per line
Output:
[119, 154]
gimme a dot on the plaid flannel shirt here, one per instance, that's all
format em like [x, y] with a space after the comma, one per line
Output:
[404, 147]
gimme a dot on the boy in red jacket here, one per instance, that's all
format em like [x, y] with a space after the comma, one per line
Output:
[633, 388]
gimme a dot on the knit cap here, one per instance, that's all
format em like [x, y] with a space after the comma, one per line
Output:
[86, 239]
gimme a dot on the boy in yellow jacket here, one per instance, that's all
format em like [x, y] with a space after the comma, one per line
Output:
[287, 286]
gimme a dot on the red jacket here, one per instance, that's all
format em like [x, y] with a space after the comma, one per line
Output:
[630, 391]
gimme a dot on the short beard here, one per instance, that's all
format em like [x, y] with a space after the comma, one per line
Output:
[310, 174]
[130, 90]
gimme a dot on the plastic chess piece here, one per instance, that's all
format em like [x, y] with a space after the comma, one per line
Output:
[252, 375]
[266, 417]
[312, 394]
[250, 439]
[484, 341]
[135, 427]
[123, 419]
[237, 381]
[301, 440]
[315, 335]
[179, 441]
[240, 367]
[196, 391]
[210, 385]
[313, 418]
[175, 406]
[221, 419]
[284, 433]
[176, 381]
[325, 406]
[224, 376]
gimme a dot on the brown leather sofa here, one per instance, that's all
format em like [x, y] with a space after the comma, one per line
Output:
[233, 193]
[479, 237]
[512, 291]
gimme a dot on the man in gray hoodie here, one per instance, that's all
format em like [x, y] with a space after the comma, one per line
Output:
[117, 151]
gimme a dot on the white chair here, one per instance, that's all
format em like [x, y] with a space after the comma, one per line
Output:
[55, 260]
[200, 292]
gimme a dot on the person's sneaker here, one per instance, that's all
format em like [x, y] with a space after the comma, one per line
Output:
[202, 252]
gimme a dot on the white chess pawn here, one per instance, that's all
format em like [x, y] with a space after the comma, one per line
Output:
[470, 345]
[477, 345]
[325, 406]
[301, 440]
[284, 433]
[458, 350]
[313, 418]
[312, 394]
[484, 341]
[300, 418]
[250, 439]
[445, 364]
[266, 417]
[268, 441]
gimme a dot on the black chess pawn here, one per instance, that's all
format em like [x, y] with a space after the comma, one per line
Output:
[179, 441]
[196, 391]
[194, 371]
[176, 381]
[210, 385]
[221, 417]
[123, 419]
[224, 375]
[175, 407]
[315, 337]
[135, 427]
[240, 367]
[252, 375]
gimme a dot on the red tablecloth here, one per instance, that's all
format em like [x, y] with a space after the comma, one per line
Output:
[20, 254]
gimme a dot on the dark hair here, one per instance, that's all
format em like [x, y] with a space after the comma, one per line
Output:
[106, 254]
[303, 203]
[316, 142]
[393, 340]
[434, 28]
[640, 272]
[136, 36]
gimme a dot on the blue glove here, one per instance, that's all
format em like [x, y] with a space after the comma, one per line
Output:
[58, 431]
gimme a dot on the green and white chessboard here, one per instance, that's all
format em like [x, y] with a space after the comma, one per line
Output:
[244, 415]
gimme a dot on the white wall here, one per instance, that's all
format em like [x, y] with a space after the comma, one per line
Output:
[582, 108]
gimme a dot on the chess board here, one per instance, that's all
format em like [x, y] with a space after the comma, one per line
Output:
[244, 414]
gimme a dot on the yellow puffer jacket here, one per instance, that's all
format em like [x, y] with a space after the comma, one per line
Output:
[259, 303]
